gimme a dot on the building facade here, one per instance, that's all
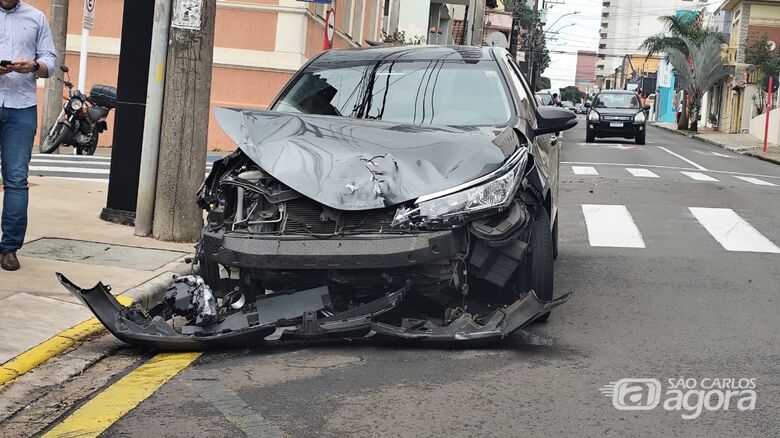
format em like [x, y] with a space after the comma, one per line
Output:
[258, 45]
[625, 24]
[585, 73]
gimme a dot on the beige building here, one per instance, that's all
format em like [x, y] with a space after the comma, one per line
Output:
[258, 45]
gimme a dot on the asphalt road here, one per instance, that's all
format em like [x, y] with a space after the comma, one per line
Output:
[665, 299]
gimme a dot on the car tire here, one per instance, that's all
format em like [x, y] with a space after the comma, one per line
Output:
[537, 270]
[640, 138]
[589, 137]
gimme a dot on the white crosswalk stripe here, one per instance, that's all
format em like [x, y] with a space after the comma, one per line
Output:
[756, 181]
[584, 170]
[731, 231]
[77, 167]
[642, 173]
[698, 176]
[611, 226]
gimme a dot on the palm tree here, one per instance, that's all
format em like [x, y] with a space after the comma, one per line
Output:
[678, 27]
[699, 66]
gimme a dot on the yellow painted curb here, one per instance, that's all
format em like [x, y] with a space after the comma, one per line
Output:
[53, 346]
[108, 406]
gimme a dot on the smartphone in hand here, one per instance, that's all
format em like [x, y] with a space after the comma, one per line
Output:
[5, 63]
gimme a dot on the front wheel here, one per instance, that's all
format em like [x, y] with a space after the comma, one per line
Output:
[589, 137]
[56, 137]
[640, 138]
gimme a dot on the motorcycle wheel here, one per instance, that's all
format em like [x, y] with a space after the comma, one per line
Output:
[89, 148]
[56, 137]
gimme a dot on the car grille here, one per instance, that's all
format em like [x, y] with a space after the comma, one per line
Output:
[618, 118]
[307, 216]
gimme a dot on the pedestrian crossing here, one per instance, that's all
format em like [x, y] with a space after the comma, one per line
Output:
[647, 173]
[613, 226]
[80, 166]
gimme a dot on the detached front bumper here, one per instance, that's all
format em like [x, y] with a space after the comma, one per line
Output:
[347, 252]
[264, 324]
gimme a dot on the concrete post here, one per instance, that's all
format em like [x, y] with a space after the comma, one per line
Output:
[52, 100]
[184, 136]
[147, 178]
[478, 35]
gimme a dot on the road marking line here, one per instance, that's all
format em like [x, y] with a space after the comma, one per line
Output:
[71, 157]
[68, 170]
[98, 414]
[682, 158]
[77, 162]
[698, 176]
[642, 173]
[755, 181]
[731, 231]
[655, 166]
[55, 345]
[233, 408]
[611, 226]
[718, 154]
[584, 170]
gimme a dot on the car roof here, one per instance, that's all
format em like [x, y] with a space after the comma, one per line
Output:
[616, 92]
[411, 53]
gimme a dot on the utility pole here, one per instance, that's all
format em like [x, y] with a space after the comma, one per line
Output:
[52, 101]
[150, 148]
[184, 137]
[478, 34]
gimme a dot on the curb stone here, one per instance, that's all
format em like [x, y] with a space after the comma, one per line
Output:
[763, 158]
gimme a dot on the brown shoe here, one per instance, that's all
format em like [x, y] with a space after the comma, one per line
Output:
[9, 261]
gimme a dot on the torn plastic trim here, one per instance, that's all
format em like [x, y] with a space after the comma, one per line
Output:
[133, 327]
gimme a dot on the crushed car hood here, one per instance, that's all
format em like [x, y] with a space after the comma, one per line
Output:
[356, 164]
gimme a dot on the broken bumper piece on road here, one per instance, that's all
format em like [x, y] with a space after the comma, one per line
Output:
[288, 316]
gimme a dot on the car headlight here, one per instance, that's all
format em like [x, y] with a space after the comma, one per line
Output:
[76, 104]
[454, 210]
[639, 117]
[593, 116]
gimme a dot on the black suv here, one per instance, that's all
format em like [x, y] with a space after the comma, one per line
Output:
[616, 113]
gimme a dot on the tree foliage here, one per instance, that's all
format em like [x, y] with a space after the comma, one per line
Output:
[543, 83]
[572, 93]
[681, 32]
[699, 67]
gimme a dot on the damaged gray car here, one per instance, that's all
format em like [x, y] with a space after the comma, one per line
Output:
[388, 193]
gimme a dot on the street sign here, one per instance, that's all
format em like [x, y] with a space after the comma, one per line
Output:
[520, 57]
[770, 80]
[88, 21]
[327, 43]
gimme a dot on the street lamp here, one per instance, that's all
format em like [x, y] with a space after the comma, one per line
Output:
[564, 15]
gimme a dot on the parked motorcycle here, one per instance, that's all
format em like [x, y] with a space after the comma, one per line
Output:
[82, 118]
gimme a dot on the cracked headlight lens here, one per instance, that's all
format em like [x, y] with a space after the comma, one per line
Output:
[455, 209]
[593, 116]
[639, 117]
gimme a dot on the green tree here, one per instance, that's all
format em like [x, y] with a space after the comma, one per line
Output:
[544, 83]
[677, 30]
[699, 67]
[572, 93]
[766, 62]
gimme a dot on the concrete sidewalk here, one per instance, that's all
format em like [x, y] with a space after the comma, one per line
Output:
[740, 143]
[66, 235]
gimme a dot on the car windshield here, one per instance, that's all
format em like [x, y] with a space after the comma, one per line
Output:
[616, 100]
[409, 92]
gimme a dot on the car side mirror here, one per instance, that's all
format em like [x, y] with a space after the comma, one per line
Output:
[64, 68]
[587, 104]
[551, 120]
[647, 107]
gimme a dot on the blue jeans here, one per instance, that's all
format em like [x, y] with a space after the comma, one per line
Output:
[17, 132]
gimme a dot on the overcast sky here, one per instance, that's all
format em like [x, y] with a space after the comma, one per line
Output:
[574, 32]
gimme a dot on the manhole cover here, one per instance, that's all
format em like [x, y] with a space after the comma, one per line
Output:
[96, 253]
